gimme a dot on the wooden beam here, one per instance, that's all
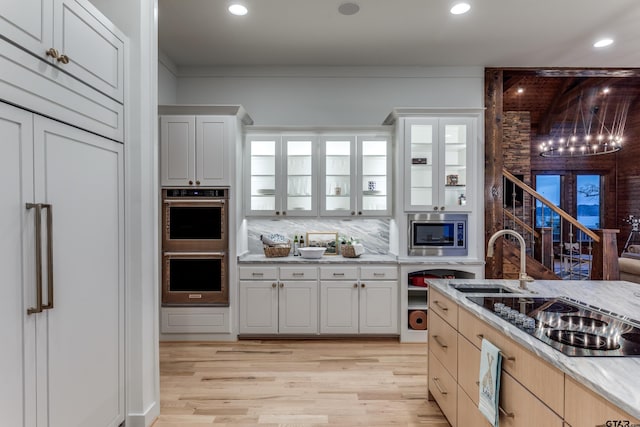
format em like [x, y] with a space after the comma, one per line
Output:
[493, 163]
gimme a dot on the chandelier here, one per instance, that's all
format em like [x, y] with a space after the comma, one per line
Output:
[595, 128]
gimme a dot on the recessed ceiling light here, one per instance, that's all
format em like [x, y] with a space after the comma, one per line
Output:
[603, 43]
[238, 9]
[460, 8]
[520, 90]
[348, 8]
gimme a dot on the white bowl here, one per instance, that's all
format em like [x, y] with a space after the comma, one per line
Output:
[311, 253]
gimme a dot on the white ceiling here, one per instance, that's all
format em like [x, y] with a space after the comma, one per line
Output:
[495, 33]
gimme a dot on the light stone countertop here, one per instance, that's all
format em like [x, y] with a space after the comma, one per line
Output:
[615, 378]
[326, 259]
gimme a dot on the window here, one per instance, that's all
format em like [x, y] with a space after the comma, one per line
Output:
[586, 205]
[549, 187]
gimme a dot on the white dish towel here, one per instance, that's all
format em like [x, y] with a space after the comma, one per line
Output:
[490, 362]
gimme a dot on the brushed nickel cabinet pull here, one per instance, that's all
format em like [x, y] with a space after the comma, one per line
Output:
[63, 59]
[298, 274]
[190, 182]
[49, 209]
[378, 274]
[436, 381]
[257, 274]
[52, 52]
[197, 182]
[438, 341]
[38, 238]
[338, 274]
[363, 285]
[282, 285]
[440, 306]
[273, 285]
[355, 285]
[505, 413]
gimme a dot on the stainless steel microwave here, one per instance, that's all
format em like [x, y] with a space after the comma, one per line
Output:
[437, 234]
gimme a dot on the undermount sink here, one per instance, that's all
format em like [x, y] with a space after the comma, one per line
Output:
[482, 289]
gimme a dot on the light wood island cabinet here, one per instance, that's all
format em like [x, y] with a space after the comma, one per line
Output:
[532, 391]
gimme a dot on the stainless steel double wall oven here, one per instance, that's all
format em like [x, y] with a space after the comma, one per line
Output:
[195, 246]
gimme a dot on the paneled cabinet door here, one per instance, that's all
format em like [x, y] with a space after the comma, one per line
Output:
[379, 307]
[72, 35]
[258, 307]
[177, 150]
[52, 353]
[212, 150]
[298, 307]
[339, 301]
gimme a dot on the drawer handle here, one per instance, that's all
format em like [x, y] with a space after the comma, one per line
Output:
[438, 341]
[298, 274]
[273, 285]
[63, 59]
[379, 274]
[436, 381]
[440, 306]
[505, 413]
[504, 355]
[338, 274]
[282, 285]
[257, 274]
[478, 383]
[355, 285]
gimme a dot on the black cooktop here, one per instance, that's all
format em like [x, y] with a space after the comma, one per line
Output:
[569, 326]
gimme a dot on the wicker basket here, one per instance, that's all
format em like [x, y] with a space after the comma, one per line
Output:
[348, 251]
[277, 251]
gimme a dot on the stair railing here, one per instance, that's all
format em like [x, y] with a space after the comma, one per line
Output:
[554, 238]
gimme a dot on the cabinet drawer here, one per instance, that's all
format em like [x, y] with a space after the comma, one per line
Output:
[468, 413]
[298, 273]
[443, 342]
[443, 388]
[585, 408]
[378, 273]
[544, 380]
[194, 320]
[523, 409]
[468, 368]
[257, 272]
[442, 305]
[339, 273]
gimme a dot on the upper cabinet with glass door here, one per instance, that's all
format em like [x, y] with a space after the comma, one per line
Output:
[438, 160]
[282, 176]
[355, 175]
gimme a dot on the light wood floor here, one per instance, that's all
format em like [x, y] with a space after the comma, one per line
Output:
[377, 382]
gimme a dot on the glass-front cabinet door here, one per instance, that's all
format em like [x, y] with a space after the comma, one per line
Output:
[438, 164]
[338, 182]
[282, 176]
[374, 187]
[355, 176]
[300, 176]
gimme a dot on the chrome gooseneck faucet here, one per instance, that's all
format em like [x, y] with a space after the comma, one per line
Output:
[523, 261]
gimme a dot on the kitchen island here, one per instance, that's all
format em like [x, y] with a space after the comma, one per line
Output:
[571, 389]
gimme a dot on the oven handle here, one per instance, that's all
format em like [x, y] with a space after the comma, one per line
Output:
[189, 254]
[196, 201]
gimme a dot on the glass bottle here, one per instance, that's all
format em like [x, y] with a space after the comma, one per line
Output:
[301, 241]
[295, 245]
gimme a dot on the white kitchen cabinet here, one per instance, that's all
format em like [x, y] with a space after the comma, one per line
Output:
[359, 303]
[284, 305]
[73, 36]
[63, 363]
[197, 150]
[281, 175]
[439, 163]
[88, 89]
[356, 175]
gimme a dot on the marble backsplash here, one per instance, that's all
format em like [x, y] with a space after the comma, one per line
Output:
[372, 233]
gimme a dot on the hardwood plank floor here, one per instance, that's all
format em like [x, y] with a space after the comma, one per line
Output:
[377, 382]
